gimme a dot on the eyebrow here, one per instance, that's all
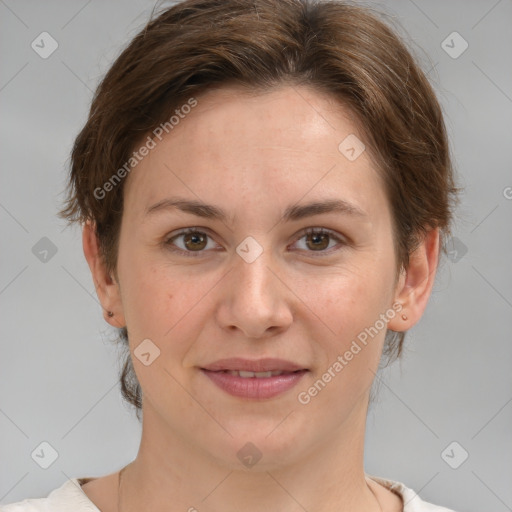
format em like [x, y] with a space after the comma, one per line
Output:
[292, 212]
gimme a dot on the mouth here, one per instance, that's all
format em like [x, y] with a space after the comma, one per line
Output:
[261, 379]
[240, 364]
[258, 375]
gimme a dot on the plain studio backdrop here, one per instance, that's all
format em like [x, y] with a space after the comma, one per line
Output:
[443, 417]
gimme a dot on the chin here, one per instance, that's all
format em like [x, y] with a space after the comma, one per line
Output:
[260, 445]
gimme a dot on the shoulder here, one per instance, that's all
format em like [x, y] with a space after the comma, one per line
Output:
[412, 502]
[69, 496]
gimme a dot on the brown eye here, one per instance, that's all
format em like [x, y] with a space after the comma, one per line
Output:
[190, 242]
[319, 240]
[195, 241]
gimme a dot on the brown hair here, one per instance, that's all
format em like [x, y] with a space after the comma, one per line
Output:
[334, 47]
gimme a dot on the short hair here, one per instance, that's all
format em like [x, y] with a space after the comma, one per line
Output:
[334, 47]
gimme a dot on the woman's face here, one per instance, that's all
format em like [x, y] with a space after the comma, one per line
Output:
[254, 284]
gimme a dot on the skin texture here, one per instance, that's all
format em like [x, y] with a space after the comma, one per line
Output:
[254, 155]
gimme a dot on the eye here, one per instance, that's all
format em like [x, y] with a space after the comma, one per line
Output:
[318, 240]
[194, 241]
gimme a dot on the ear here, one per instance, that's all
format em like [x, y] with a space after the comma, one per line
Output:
[107, 288]
[416, 283]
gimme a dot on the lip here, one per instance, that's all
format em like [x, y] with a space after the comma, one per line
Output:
[254, 387]
[257, 365]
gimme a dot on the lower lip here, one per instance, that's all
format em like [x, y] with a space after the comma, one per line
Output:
[254, 387]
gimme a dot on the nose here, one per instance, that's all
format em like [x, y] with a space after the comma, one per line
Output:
[255, 299]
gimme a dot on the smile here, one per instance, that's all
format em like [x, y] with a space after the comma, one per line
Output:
[254, 385]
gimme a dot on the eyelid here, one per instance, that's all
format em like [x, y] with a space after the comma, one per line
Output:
[342, 241]
[320, 230]
[185, 231]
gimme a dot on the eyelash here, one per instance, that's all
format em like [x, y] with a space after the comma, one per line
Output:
[308, 231]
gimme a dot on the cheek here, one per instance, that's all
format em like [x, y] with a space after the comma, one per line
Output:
[352, 346]
[346, 301]
[144, 295]
[163, 303]
[346, 323]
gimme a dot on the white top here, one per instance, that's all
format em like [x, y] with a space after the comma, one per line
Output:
[70, 498]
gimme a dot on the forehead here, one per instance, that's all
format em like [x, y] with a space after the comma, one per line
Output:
[285, 141]
[296, 117]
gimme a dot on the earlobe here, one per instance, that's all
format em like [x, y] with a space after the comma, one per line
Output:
[415, 285]
[106, 287]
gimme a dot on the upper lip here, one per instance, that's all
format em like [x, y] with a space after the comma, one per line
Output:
[256, 365]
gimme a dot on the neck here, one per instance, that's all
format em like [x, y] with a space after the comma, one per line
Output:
[327, 477]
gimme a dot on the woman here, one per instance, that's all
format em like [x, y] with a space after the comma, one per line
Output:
[265, 189]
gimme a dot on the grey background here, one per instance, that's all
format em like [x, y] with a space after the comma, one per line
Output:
[58, 369]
